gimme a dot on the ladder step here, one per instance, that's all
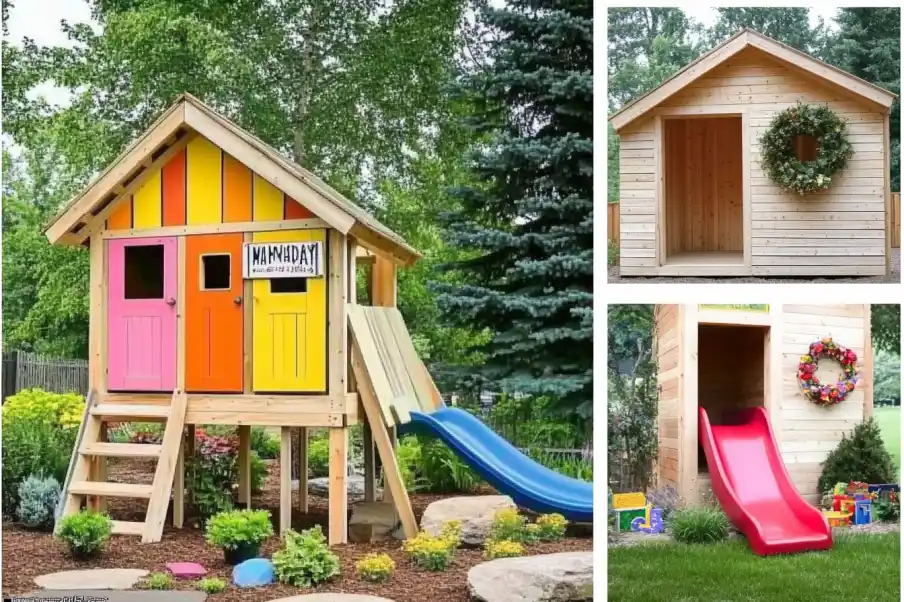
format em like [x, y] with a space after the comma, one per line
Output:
[110, 489]
[122, 450]
[128, 410]
[125, 527]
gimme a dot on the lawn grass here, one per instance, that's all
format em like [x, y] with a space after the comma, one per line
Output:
[858, 566]
[889, 420]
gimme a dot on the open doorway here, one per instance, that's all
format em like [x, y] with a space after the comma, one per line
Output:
[731, 371]
[703, 191]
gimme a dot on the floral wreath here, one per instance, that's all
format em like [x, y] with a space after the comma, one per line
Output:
[779, 160]
[831, 393]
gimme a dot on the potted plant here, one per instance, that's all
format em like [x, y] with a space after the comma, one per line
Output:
[239, 533]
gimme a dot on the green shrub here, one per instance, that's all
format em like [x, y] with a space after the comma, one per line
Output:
[305, 560]
[318, 457]
[888, 507]
[441, 471]
[862, 456]
[699, 525]
[235, 528]
[85, 533]
[502, 549]
[612, 254]
[158, 581]
[508, 525]
[265, 444]
[32, 447]
[433, 552]
[552, 527]
[375, 567]
[38, 499]
[60, 409]
[211, 585]
[408, 455]
[258, 473]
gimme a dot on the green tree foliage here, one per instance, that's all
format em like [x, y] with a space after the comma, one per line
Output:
[868, 44]
[633, 393]
[790, 26]
[885, 323]
[527, 225]
[886, 376]
[862, 456]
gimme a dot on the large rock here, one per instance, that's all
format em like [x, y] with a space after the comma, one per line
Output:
[373, 521]
[91, 579]
[565, 577]
[474, 512]
[321, 487]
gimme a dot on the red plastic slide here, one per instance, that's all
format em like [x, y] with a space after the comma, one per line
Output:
[756, 493]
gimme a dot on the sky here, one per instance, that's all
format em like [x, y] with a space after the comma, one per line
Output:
[707, 15]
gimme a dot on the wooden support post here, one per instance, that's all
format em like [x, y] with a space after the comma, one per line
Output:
[189, 446]
[303, 470]
[245, 465]
[394, 446]
[338, 486]
[285, 479]
[179, 486]
[370, 468]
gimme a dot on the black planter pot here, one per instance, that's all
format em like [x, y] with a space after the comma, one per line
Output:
[241, 554]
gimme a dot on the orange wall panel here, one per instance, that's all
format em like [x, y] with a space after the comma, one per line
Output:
[174, 190]
[236, 191]
[294, 210]
[121, 217]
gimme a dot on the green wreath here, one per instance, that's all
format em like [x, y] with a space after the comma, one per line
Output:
[777, 148]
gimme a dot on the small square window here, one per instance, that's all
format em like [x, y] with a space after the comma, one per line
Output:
[288, 285]
[216, 274]
[143, 267]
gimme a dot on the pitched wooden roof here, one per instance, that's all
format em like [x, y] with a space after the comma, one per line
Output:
[188, 117]
[732, 46]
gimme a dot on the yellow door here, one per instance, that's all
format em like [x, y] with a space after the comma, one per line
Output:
[289, 325]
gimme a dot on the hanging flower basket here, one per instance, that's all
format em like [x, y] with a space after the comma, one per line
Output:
[830, 393]
[780, 162]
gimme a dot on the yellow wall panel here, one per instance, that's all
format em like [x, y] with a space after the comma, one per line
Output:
[147, 209]
[205, 183]
[268, 201]
[290, 328]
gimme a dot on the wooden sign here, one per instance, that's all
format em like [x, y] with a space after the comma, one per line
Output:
[282, 259]
[628, 500]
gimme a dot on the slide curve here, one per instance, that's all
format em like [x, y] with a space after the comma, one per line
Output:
[754, 488]
[529, 484]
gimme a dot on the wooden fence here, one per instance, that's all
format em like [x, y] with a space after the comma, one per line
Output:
[23, 370]
[612, 221]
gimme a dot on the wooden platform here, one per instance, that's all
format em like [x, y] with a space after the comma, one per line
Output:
[705, 263]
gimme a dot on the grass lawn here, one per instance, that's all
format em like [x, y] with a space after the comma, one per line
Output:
[889, 421]
[858, 566]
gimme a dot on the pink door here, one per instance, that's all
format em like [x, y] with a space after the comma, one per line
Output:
[141, 314]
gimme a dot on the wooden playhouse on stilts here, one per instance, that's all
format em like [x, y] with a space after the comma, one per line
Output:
[223, 291]
[697, 197]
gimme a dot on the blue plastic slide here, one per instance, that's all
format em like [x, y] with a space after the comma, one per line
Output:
[528, 483]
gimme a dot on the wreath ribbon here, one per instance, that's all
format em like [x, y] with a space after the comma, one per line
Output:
[827, 394]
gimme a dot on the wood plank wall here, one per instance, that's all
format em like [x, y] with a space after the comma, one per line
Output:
[703, 180]
[667, 351]
[840, 231]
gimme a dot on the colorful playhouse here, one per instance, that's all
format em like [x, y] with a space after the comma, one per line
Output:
[223, 291]
[744, 417]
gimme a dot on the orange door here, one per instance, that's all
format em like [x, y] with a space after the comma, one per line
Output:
[214, 308]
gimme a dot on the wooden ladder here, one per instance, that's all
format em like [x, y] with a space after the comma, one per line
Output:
[88, 446]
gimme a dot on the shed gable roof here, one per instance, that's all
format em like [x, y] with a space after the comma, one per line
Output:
[188, 116]
[732, 46]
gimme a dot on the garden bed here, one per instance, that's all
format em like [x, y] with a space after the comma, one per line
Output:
[28, 554]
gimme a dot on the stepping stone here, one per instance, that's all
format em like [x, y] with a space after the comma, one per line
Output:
[567, 576]
[186, 570]
[117, 596]
[91, 579]
[475, 512]
[254, 573]
[333, 598]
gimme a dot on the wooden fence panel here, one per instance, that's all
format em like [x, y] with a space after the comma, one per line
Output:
[23, 370]
[613, 223]
[895, 224]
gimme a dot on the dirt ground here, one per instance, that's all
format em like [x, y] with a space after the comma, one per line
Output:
[28, 554]
[895, 277]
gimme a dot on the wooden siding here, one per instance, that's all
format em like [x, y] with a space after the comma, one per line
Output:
[667, 350]
[201, 186]
[839, 231]
[703, 181]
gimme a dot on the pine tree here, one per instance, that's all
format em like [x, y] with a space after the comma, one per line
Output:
[527, 227]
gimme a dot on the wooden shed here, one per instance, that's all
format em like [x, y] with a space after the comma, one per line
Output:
[695, 200]
[223, 291]
[726, 357]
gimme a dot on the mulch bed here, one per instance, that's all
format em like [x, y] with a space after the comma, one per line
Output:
[28, 554]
